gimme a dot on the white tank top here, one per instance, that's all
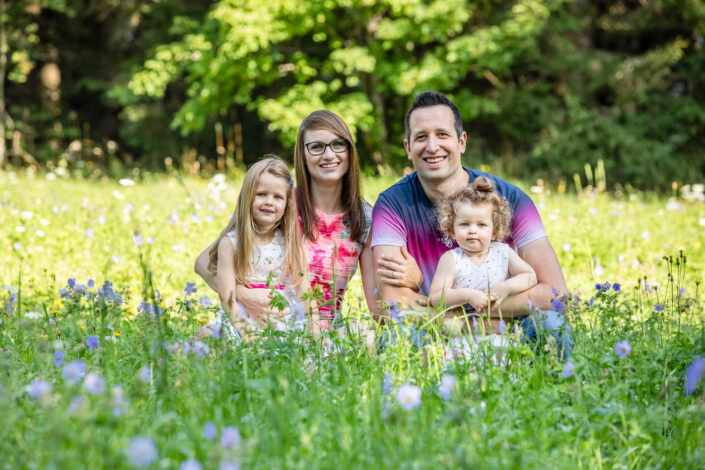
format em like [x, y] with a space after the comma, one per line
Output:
[493, 270]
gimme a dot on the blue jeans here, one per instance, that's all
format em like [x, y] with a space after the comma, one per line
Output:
[537, 327]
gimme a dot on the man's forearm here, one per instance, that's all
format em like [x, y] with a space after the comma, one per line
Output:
[517, 305]
[404, 298]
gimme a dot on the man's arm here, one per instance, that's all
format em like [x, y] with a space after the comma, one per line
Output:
[407, 298]
[540, 255]
[367, 273]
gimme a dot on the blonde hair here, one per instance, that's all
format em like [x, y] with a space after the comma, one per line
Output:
[480, 191]
[242, 222]
[354, 218]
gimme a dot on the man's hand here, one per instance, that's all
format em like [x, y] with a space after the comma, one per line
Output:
[256, 304]
[400, 271]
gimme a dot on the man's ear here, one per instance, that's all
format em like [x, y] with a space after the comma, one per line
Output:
[406, 147]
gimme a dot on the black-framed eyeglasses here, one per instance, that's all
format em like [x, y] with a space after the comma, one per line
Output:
[319, 148]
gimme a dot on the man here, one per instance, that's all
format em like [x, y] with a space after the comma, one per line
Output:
[404, 225]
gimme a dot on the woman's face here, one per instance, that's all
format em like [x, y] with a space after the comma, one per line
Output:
[332, 164]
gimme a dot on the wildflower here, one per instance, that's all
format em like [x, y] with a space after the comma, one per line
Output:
[557, 305]
[92, 342]
[693, 374]
[94, 383]
[58, 358]
[658, 308]
[119, 403]
[226, 465]
[205, 301]
[622, 348]
[74, 404]
[606, 286]
[445, 389]
[74, 371]
[17, 246]
[142, 451]
[397, 315]
[91, 283]
[209, 431]
[230, 439]
[191, 464]
[616, 287]
[599, 270]
[146, 307]
[567, 246]
[409, 396]
[453, 326]
[150, 240]
[190, 288]
[116, 259]
[144, 374]
[89, 232]
[387, 383]
[598, 287]
[681, 292]
[33, 315]
[138, 240]
[126, 182]
[568, 370]
[645, 235]
[38, 389]
[502, 327]
[200, 349]
[176, 247]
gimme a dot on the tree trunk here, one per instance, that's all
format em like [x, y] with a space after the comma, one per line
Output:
[3, 67]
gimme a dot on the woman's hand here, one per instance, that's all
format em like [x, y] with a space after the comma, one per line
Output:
[256, 304]
[402, 272]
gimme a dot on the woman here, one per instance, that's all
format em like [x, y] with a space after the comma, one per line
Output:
[334, 220]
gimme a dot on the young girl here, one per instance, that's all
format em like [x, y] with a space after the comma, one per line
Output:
[260, 247]
[477, 218]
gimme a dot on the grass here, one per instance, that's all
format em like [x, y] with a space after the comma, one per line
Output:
[299, 406]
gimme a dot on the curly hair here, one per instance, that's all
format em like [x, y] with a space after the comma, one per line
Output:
[480, 191]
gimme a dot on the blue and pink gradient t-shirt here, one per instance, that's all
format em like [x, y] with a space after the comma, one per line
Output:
[404, 216]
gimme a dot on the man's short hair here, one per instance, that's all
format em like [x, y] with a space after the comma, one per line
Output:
[433, 98]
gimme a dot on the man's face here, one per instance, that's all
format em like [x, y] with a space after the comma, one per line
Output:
[433, 146]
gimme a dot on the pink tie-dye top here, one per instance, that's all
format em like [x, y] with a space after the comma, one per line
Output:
[333, 258]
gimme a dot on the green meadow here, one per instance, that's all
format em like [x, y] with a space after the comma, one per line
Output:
[96, 375]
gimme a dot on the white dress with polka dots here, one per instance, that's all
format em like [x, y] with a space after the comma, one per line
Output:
[493, 270]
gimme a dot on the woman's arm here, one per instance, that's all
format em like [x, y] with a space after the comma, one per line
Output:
[367, 273]
[201, 266]
[226, 286]
[443, 293]
[522, 277]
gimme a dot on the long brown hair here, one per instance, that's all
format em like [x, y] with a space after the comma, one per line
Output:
[242, 222]
[354, 214]
[480, 191]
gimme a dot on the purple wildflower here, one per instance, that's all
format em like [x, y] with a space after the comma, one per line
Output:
[502, 327]
[622, 348]
[598, 286]
[71, 283]
[91, 283]
[658, 308]
[445, 389]
[230, 439]
[681, 292]
[568, 370]
[74, 404]
[59, 358]
[92, 342]
[74, 371]
[409, 396]
[205, 301]
[94, 383]
[397, 315]
[693, 374]
[144, 374]
[191, 464]
[209, 431]
[387, 383]
[190, 288]
[616, 286]
[38, 389]
[226, 465]
[142, 451]
[557, 305]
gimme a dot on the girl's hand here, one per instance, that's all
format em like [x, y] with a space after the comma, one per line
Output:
[478, 299]
[402, 272]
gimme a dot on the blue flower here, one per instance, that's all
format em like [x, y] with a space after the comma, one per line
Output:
[64, 294]
[568, 370]
[397, 315]
[94, 383]
[190, 288]
[142, 451]
[622, 348]
[58, 358]
[606, 286]
[616, 286]
[209, 431]
[693, 374]
[91, 283]
[71, 283]
[681, 292]
[445, 389]
[387, 383]
[74, 371]
[191, 464]
[38, 388]
[557, 305]
[230, 439]
[205, 301]
[502, 327]
[658, 308]
[598, 286]
[92, 342]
